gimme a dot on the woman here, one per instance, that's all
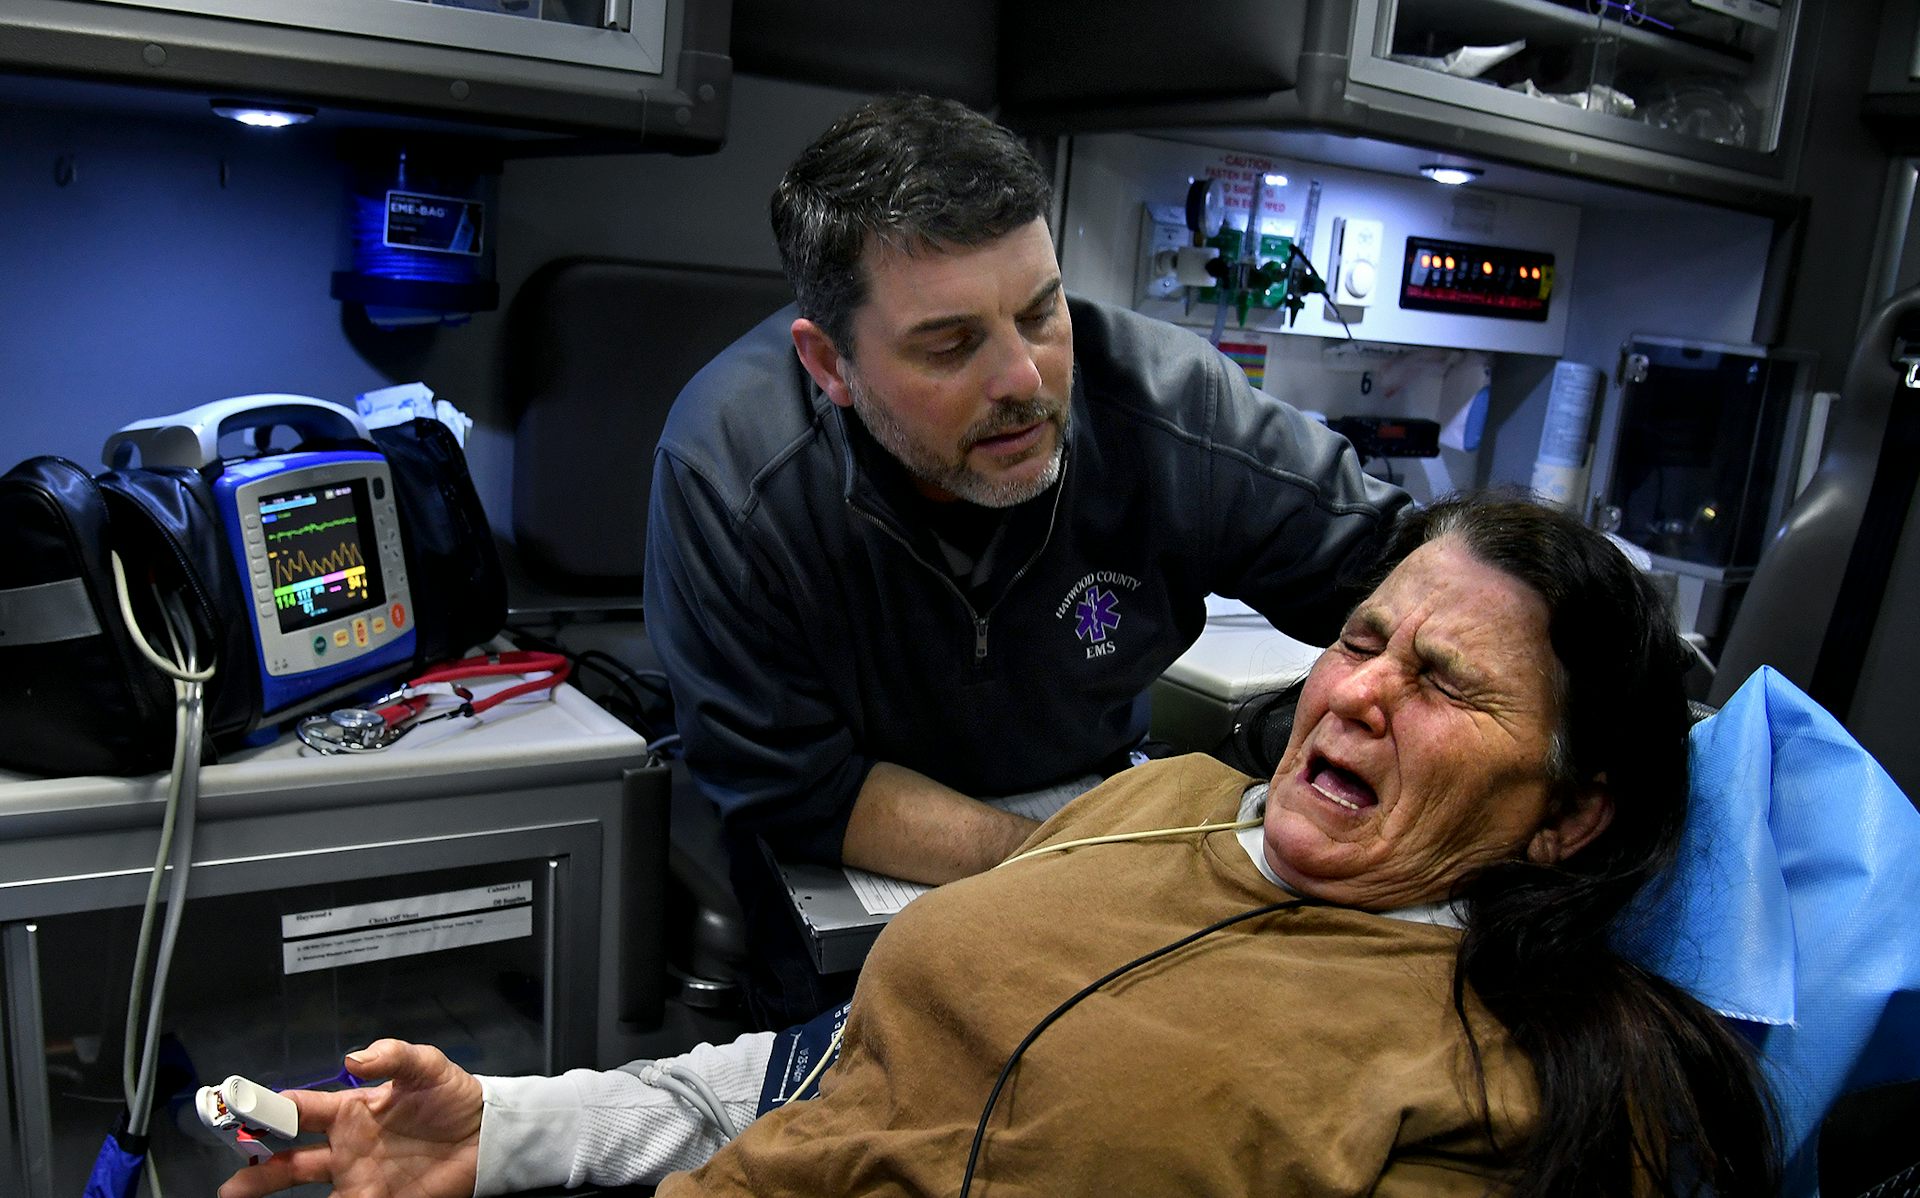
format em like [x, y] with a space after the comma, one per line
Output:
[1385, 971]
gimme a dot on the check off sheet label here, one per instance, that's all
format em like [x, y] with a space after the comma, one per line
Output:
[334, 936]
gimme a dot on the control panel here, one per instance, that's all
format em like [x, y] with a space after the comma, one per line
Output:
[1476, 280]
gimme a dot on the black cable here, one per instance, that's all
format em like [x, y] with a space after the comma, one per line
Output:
[1006, 1071]
[619, 673]
[653, 680]
[1306, 264]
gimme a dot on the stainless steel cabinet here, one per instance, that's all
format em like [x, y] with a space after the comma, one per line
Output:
[493, 886]
[1677, 76]
[653, 72]
[1703, 98]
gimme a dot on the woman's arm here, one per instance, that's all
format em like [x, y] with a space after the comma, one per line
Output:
[433, 1130]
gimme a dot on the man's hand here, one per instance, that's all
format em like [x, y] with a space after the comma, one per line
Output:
[418, 1135]
[907, 825]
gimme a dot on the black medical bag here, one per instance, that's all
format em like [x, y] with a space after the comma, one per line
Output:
[78, 697]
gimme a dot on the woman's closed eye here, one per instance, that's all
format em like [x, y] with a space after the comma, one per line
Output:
[1359, 646]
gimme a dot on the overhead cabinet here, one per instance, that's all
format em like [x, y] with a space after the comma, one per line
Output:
[653, 72]
[1699, 97]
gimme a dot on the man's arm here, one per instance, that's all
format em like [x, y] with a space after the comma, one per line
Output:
[763, 735]
[1299, 521]
[906, 824]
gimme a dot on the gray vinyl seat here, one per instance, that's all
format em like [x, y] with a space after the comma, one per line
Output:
[597, 351]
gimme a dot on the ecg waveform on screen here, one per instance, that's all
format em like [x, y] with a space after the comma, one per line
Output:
[306, 582]
[298, 567]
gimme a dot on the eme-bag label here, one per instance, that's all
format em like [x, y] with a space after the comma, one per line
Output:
[436, 224]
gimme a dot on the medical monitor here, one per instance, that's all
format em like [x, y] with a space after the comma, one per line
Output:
[316, 541]
[321, 559]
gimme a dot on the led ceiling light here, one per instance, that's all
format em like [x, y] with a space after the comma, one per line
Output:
[1451, 175]
[263, 116]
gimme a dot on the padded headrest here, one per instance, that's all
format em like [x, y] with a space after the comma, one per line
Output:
[1790, 901]
[597, 351]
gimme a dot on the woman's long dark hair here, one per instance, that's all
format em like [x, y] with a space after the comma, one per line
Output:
[1642, 1089]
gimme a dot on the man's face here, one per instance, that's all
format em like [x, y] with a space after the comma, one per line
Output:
[965, 365]
[1420, 746]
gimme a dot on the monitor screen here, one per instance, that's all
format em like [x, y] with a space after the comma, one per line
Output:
[321, 553]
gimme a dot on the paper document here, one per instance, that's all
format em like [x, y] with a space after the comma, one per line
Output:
[883, 895]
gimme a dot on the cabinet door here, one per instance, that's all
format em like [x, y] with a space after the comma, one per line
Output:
[282, 966]
[648, 70]
[619, 34]
[1698, 79]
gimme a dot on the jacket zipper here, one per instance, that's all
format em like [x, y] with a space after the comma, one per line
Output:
[979, 620]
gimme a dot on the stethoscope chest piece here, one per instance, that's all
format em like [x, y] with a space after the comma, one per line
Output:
[348, 730]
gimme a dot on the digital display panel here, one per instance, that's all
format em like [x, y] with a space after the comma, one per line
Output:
[321, 554]
[1476, 280]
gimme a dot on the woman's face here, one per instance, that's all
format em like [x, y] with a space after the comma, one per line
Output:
[1419, 748]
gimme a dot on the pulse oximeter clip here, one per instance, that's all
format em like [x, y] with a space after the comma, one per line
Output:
[392, 716]
[243, 1110]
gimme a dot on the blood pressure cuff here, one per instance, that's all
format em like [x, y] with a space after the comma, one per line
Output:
[800, 1056]
[76, 694]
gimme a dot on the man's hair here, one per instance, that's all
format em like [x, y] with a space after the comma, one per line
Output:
[912, 172]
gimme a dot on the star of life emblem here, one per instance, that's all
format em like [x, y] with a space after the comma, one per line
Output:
[1096, 614]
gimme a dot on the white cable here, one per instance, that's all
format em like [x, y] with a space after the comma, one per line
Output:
[819, 1066]
[1119, 837]
[171, 669]
[175, 853]
[715, 1118]
[692, 1089]
[712, 1100]
[181, 864]
[130, 1041]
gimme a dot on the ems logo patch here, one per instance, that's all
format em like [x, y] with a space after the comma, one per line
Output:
[1094, 602]
[1096, 615]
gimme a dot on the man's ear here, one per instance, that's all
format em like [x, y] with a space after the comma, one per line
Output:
[1584, 817]
[822, 360]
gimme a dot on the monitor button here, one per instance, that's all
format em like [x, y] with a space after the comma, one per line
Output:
[398, 613]
[360, 631]
[319, 646]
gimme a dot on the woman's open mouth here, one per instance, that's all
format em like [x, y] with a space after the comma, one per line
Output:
[1339, 785]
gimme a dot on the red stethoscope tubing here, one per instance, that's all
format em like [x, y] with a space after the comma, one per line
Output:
[491, 665]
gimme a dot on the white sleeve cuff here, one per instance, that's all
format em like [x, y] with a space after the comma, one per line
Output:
[528, 1128]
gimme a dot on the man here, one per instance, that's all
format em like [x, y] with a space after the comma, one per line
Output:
[932, 535]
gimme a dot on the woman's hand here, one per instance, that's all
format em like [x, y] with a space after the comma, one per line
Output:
[418, 1135]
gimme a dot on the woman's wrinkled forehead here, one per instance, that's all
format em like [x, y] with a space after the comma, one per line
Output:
[1467, 616]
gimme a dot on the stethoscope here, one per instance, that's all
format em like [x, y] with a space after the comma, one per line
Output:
[392, 716]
